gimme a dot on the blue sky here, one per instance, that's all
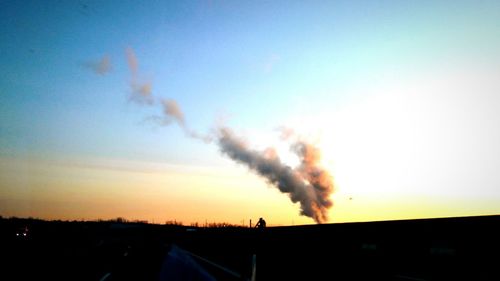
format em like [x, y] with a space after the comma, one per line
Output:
[256, 65]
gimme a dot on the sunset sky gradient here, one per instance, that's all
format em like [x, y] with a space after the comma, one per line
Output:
[402, 97]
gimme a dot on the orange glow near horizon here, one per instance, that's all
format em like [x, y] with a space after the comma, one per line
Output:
[194, 195]
[186, 194]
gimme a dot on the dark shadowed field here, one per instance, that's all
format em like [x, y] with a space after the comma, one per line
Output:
[430, 249]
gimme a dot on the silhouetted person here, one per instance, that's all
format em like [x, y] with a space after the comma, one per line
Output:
[261, 224]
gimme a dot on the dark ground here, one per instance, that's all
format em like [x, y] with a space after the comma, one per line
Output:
[431, 249]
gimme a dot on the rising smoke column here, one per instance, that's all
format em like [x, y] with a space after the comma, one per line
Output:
[308, 184]
[315, 175]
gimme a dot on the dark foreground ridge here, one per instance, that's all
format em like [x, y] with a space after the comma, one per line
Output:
[465, 248]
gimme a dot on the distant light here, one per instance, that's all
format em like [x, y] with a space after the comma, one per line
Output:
[17, 234]
[24, 234]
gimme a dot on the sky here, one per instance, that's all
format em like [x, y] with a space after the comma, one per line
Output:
[402, 98]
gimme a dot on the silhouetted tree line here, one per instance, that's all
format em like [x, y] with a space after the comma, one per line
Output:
[123, 220]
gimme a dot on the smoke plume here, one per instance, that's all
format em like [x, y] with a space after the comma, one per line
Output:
[308, 184]
[172, 112]
[101, 67]
[132, 61]
[285, 132]
[141, 92]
